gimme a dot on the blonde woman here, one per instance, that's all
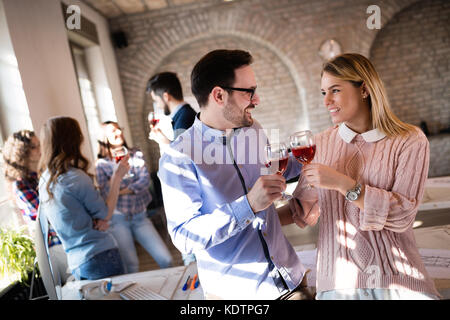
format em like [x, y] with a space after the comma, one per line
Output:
[368, 178]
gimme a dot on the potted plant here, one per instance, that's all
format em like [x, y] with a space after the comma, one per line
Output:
[17, 256]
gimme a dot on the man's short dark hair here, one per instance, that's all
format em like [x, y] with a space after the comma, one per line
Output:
[216, 69]
[165, 82]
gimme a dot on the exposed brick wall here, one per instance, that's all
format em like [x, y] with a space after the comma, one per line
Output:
[283, 35]
[272, 76]
[412, 54]
[440, 151]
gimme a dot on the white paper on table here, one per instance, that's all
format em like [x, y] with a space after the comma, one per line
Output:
[437, 262]
[308, 259]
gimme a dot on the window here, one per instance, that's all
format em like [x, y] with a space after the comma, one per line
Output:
[87, 94]
[14, 115]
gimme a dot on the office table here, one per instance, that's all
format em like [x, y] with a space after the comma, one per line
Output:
[167, 282]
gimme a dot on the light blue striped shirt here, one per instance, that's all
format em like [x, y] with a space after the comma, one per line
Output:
[240, 254]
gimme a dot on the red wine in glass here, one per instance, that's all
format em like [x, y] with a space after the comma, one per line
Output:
[304, 154]
[118, 158]
[278, 158]
[152, 120]
[303, 147]
[119, 154]
[282, 165]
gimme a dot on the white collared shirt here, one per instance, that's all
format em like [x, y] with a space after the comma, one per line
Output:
[348, 134]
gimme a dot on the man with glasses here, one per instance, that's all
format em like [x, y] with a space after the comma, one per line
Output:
[218, 205]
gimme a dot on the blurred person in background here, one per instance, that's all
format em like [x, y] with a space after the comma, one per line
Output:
[73, 206]
[21, 154]
[129, 221]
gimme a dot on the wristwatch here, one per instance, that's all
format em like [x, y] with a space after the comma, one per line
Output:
[353, 194]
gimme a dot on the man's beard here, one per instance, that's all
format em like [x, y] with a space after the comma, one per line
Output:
[236, 116]
[166, 109]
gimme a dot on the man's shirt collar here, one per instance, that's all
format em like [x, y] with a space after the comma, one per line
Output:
[175, 111]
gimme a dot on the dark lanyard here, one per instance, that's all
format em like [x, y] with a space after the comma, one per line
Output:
[276, 276]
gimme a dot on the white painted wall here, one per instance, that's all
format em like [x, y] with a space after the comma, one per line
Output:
[14, 113]
[39, 38]
[104, 71]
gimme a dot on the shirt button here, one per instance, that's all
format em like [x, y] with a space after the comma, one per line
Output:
[265, 234]
[240, 166]
[247, 221]
[271, 257]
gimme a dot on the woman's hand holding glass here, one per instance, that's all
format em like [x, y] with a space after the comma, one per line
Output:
[121, 156]
[325, 177]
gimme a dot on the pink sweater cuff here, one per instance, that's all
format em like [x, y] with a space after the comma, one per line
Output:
[376, 209]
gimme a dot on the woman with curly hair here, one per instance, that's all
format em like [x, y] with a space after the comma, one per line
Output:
[21, 154]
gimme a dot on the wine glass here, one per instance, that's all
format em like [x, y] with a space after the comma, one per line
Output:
[303, 147]
[118, 154]
[277, 156]
[152, 119]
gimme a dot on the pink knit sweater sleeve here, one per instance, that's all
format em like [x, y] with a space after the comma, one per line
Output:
[396, 209]
[304, 205]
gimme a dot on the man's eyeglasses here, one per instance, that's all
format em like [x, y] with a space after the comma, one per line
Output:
[249, 90]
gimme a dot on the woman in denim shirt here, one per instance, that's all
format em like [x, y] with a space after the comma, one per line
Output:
[129, 221]
[70, 202]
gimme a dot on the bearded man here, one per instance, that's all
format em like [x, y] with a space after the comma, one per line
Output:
[218, 204]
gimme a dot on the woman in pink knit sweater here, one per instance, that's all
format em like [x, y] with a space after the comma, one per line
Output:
[368, 179]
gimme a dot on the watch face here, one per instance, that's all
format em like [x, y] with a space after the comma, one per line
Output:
[352, 196]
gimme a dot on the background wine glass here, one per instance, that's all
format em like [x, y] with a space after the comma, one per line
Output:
[118, 154]
[277, 156]
[303, 147]
[152, 119]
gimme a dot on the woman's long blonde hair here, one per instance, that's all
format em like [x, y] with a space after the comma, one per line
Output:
[61, 140]
[359, 70]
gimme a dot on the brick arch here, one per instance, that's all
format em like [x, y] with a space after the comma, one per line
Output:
[389, 10]
[141, 112]
[280, 55]
[417, 62]
[147, 58]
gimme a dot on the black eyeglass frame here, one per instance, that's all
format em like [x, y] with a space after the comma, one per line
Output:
[249, 90]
